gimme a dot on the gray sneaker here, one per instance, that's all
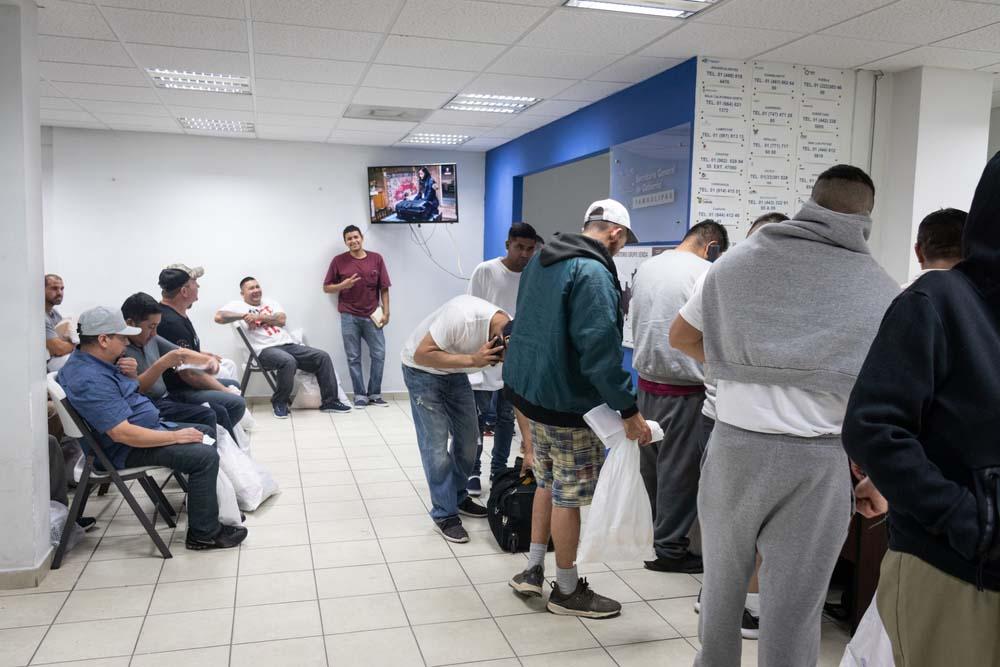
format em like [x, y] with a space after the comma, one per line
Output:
[582, 602]
[452, 530]
[528, 582]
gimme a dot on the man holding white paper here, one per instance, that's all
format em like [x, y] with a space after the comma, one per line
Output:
[361, 280]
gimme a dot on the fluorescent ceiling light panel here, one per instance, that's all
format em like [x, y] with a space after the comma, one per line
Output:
[508, 104]
[208, 83]
[436, 139]
[215, 125]
[678, 9]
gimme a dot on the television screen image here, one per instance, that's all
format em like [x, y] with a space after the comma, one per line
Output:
[413, 193]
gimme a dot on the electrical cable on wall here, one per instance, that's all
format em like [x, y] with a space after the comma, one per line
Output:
[421, 242]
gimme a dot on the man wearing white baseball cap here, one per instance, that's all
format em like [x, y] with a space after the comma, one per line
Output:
[128, 425]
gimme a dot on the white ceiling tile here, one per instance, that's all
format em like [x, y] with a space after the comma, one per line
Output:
[300, 107]
[97, 91]
[297, 90]
[391, 97]
[795, 15]
[381, 126]
[293, 40]
[482, 144]
[234, 63]
[529, 86]
[530, 122]
[228, 9]
[138, 127]
[554, 108]
[467, 130]
[199, 32]
[932, 56]
[634, 69]
[417, 78]
[590, 91]
[984, 39]
[726, 41]
[529, 61]
[46, 89]
[369, 15]
[583, 29]
[71, 19]
[66, 114]
[221, 135]
[505, 132]
[472, 21]
[120, 121]
[402, 50]
[90, 51]
[88, 125]
[476, 118]
[363, 138]
[132, 108]
[289, 68]
[830, 51]
[195, 98]
[295, 121]
[918, 21]
[210, 113]
[56, 103]
[536, 3]
[119, 76]
[291, 133]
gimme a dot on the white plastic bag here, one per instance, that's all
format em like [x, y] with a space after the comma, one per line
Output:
[620, 524]
[251, 482]
[242, 439]
[58, 513]
[870, 646]
[229, 510]
[228, 370]
[308, 396]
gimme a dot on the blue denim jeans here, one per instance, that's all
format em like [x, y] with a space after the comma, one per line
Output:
[353, 329]
[443, 405]
[503, 432]
[229, 408]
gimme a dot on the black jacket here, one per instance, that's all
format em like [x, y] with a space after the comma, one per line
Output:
[924, 418]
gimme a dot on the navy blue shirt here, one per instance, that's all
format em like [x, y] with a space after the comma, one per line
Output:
[105, 397]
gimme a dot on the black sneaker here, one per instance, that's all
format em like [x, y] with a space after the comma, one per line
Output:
[582, 602]
[228, 537]
[380, 402]
[452, 530]
[336, 406]
[280, 411]
[469, 507]
[689, 563]
[474, 487]
[528, 582]
[88, 523]
[750, 629]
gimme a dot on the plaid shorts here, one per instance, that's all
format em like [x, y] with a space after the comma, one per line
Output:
[567, 460]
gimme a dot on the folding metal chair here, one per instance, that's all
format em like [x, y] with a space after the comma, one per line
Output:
[91, 478]
[253, 364]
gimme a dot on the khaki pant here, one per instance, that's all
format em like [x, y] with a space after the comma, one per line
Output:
[934, 619]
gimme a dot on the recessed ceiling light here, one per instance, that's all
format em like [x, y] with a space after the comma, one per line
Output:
[490, 103]
[208, 83]
[680, 9]
[215, 125]
[434, 138]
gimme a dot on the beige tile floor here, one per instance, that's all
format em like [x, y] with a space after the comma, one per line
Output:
[342, 568]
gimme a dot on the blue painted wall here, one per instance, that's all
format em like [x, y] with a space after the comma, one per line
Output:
[658, 103]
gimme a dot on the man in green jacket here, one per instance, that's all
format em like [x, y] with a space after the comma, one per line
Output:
[565, 358]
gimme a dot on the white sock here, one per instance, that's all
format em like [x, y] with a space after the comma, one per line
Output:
[566, 579]
[753, 603]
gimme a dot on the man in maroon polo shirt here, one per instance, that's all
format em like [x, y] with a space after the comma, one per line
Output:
[361, 280]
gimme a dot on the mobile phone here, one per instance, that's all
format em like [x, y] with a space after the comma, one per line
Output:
[497, 341]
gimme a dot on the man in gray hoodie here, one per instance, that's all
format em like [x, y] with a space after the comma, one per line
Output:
[788, 318]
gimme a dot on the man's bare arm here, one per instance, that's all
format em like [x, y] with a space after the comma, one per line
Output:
[687, 339]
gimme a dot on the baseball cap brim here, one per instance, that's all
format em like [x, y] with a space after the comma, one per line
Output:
[129, 331]
[632, 238]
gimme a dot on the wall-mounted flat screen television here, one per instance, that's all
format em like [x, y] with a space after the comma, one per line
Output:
[413, 193]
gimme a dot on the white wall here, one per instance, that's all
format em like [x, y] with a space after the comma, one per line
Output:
[994, 132]
[555, 200]
[123, 205]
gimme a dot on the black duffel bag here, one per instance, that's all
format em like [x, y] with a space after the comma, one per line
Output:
[509, 505]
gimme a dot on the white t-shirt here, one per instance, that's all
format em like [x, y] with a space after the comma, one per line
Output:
[766, 408]
[495, 283]
[262, 336]
[460, 326]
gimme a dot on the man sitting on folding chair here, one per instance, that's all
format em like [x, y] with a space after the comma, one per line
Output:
[129, 429]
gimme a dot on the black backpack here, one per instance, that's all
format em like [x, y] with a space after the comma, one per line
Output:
[509, 505]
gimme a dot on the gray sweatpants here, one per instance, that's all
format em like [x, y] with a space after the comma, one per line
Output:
[671, 468]
[790, 498]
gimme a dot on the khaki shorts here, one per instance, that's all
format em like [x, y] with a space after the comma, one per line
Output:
[567, 461]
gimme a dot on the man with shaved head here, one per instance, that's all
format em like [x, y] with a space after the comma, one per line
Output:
[788, 316]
